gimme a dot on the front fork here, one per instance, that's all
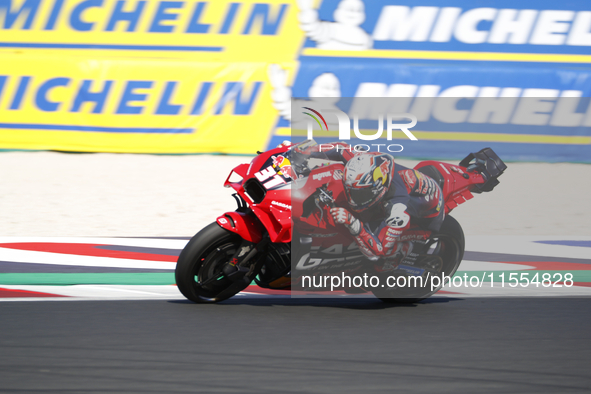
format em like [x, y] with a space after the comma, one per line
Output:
[240, 267]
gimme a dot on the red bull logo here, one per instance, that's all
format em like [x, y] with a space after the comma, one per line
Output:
[285, 165]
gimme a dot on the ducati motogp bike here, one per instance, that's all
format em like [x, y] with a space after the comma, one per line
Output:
[282, 229]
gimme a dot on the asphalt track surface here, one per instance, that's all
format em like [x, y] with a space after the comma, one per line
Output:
[283, 345]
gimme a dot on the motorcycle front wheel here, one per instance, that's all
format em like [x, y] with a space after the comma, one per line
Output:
[198, 271]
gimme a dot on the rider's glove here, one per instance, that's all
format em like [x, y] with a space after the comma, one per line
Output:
[344, 217]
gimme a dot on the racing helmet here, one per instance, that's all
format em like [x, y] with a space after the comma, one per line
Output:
[367, 178]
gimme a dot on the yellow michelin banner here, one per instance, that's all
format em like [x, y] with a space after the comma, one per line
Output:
[130, 105]
[142, 76]
[217, 30]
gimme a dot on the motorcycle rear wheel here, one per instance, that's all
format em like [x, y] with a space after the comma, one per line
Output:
[202, 259]
[449, 245]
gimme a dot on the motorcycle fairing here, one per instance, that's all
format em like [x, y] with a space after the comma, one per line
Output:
[270, 206]
[243, 224]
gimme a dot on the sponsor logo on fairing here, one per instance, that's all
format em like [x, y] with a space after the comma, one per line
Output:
[280, 204]
[320, 176]
[338, 175]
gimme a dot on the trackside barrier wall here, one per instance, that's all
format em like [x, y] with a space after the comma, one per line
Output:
[217, 76]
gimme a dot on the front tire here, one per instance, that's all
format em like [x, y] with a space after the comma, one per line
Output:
[203, 259]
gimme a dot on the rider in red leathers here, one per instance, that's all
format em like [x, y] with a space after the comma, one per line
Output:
[383, 199]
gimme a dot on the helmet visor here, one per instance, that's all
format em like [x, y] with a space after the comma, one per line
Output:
[361, 198]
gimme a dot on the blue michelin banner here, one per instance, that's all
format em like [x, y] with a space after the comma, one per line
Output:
[512, 76]
[539, 27]
[389, 78]
[524, 113]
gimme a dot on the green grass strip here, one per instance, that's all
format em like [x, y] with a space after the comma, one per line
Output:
[578, 276]
[125, 278]
[167, 278]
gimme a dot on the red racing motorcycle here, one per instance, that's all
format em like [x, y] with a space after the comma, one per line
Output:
[282, 232]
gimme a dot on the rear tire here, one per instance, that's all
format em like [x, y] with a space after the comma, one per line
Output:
[203, 258]
[449, 245]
